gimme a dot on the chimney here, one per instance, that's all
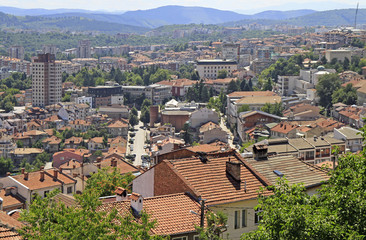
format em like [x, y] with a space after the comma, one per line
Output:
[121, 194]
[74, 175]
[98, 165]
[99, 159]
[25, 176]
[136, 202]
[41, 168]
[55, 174]
[41, 178]
[23, 170]
[260, 151]
[7, 191]
[8, 174]
[233, 169]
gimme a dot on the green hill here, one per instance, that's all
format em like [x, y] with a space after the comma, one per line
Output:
[65, 24]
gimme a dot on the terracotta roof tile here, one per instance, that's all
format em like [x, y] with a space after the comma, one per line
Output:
[211, 181]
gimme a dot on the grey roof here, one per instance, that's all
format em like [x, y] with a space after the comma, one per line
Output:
[333, 140]
[317, 141]
[350, 133]
[300, 143]
[292, 168]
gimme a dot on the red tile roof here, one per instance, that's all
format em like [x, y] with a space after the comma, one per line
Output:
[284, 127]
[211, 181]
[251, 93]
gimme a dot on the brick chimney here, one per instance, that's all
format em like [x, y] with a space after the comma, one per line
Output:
[25, 175]
[121, 194]
[41, 177]
[55, 174]
[136, 202]
[99, 159]
[7, 174]
[233, 169]
[23, 170]
[98, 165]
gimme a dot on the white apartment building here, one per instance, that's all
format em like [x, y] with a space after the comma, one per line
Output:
[46, 81]
[210, 68]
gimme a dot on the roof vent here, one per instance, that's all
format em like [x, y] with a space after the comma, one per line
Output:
[278, 173]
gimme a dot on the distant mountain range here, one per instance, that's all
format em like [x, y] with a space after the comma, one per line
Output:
[142, 20]
[157, 17]
[66, 24]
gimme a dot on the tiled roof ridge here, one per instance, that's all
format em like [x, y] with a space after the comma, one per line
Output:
[185, 181]
[57, 179]
[165, 196]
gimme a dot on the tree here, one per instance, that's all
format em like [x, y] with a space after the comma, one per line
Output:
[20, 144]
[145, 115]
[107, 180]
[222, 74]
[243, 108]
[49, 219]
[98, 153]
[134, 111]
[275, 109]
[232, 87]
[216, 225]
[327, 84]
[6, 165]
[346, 95]
[323, 60]
[187, 136]
[133, 120]
[43, 157]
[267, 85]
[346, 64]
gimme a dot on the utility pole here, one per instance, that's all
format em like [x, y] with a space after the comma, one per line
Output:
[202, 224]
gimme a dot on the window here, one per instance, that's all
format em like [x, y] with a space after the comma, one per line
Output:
[180, 238]
[69, 190]
[243, 218]
[236, 219]
[257, 217]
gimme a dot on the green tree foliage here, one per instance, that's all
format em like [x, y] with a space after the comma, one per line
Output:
[48, 219]
[243, 108]
[66, 97]
[134, 120]
[187, 136]
[16, 80]
[346, 95]
[145, 115]
[268, 85]
[20, 144]
[188, 71]
[282, 67]
[222, 74]
[233, 86]
[356, 42]
[6, 165]
[198, 93]
[275, 109]
[216, 226]
[134, 111]
[327, 84]
[218, 103]
[106, 181]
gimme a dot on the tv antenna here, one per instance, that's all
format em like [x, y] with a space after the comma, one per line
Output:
[356, 15]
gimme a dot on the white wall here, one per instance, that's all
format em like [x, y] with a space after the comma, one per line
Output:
[144, 184]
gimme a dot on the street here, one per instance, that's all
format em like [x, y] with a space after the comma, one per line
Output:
[139, 142]
[223, 126]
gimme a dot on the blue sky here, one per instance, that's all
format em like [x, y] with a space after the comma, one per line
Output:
[244, 6]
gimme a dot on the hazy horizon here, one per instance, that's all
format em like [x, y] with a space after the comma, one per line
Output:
[115, 6]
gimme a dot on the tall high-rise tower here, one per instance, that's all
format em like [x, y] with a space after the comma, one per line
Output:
[46, 80]
[16, 52]
[84, 49]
